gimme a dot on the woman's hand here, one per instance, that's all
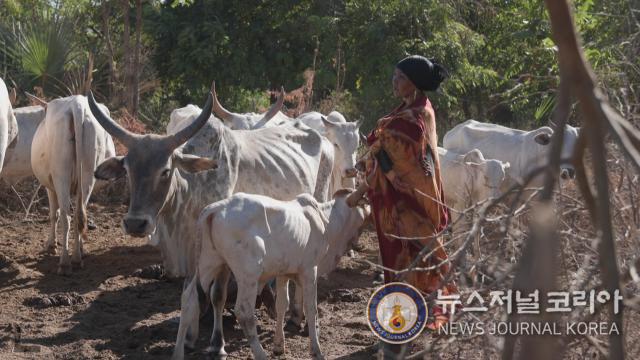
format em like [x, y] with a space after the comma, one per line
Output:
[354, 198]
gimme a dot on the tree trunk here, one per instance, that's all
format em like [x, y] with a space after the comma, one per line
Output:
[135, 75]
[106, 11]
[126, 48]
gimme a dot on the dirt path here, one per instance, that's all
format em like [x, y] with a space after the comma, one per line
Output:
[108, 311]
[105, 311]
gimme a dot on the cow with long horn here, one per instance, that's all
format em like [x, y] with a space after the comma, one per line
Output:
[251, 121]
[150, 162]
[171, 177]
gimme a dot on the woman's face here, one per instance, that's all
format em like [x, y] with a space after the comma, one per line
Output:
[402, 86]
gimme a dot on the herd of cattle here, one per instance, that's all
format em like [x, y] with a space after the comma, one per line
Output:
[255, 195]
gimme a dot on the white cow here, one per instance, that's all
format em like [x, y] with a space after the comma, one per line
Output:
[170, 182]
[258, 238]
[524, 150]
[180, 118]
[8, 124]
[17, 163]
[470, 178]
[67, 146]
[345, 137]
[251, 121]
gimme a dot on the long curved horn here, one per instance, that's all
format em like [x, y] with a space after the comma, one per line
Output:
[115, 130]
[218, 110]
[36, 100]
[277, 106]
[185, 134]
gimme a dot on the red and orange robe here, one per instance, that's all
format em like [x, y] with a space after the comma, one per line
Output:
[415, 210]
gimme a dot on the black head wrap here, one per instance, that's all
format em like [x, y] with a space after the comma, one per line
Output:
[426, 75]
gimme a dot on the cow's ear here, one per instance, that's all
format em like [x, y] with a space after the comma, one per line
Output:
[112, 168]
[543, 138]
[193, 164]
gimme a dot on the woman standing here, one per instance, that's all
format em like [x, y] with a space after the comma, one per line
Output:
[404, 183]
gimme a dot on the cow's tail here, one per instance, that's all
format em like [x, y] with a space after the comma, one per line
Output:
[78, 117]
[203, 228]
[312, 211]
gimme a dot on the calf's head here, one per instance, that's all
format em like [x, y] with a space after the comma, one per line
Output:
[494, 173]
[150, 164]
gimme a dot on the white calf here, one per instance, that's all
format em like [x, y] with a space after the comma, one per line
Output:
[258, 238]
[470, 178]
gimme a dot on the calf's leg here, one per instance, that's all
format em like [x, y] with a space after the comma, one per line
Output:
[310, 287]
[282, 302]
[218, 299]
[297, 315]
[247, 292]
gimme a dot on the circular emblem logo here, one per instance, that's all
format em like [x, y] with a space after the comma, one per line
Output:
[397, 313]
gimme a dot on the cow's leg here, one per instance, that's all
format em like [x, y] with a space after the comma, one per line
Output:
[64, 200]
[189, 314]
[80, 231]
[297, 314]
[245, 303]
[81, 214]
[310, 288]
[54, 213]
[218, 300]
[282, 303]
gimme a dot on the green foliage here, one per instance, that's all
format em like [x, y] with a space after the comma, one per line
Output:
[40, 51]
[42, 45]
[500, 54]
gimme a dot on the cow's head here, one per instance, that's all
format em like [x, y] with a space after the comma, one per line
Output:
[542, 137]
[345, 137]
[246, 121]
[494, 173]
[150, 163]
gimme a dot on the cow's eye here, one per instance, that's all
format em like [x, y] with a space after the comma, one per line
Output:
[166, 173]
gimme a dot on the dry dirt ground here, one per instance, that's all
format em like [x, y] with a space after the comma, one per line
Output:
[107, 310]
